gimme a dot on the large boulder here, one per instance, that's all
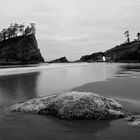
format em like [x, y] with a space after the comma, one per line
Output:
[74, 106]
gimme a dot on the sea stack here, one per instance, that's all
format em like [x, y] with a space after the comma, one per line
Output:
[20, 50]
[95, 57]
[60, 60]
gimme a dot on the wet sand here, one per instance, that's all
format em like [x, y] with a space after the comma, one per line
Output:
[125, 90]
[119, 81]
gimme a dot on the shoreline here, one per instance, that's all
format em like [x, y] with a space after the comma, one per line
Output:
[21, 69]
[104, 88]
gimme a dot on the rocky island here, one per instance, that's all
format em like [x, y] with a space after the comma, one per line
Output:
[19, 49]
[60, 60]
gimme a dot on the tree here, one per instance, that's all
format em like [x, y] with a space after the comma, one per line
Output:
[27, 31]
[1, 37]
[138, 35]
[21, 29]
[3, 32]
[33, 29]
[9, 32]
[127, 35]
[15, 30]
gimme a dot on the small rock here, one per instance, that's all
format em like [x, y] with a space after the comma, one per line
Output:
[133, 120]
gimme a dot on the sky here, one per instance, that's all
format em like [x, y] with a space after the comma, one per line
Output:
[73, 28]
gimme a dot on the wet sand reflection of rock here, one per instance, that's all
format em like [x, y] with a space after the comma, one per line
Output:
[22, 86]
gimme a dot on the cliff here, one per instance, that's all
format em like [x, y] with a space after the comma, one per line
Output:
[60, 60]
[129, 52]
[20, 50]
[93, 57]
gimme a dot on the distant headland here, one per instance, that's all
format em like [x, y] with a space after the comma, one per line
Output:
[59, 60]
[125, 52]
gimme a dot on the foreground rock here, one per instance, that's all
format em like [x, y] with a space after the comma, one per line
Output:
[74, 106]
[134, 120]
[20, 50]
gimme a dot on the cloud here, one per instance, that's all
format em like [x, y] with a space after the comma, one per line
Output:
[93, 24]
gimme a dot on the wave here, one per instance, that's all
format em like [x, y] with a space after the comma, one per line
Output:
[12, 70]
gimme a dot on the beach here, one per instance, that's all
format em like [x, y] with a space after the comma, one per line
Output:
[116, 80]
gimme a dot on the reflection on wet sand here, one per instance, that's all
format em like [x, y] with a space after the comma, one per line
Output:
[111, 80]
[128, 70]
[18, 87]
[90, 126]
[51, 128]
[132, 67]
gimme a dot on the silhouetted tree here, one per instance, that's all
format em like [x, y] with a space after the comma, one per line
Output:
[21, 29]
[127, 35]
[15, 30]
[27, 31]
[3, 32]
[33, 30]
[1, 37]
[138, 35]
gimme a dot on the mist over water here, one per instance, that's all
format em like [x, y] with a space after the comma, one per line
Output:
[120, 81]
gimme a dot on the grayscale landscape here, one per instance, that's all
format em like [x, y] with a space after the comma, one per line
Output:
[69, 70]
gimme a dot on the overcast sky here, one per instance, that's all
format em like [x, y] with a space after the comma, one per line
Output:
[72, 28]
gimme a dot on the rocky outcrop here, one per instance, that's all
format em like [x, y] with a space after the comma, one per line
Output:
[60, 60]
[20, 50]
[74, 106]
[95, 57]
[133, 120]
[129, 52]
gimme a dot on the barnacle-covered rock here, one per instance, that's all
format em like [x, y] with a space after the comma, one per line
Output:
[133, 120]
[74, 106]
